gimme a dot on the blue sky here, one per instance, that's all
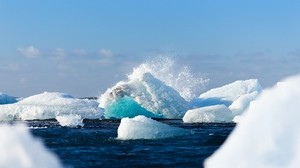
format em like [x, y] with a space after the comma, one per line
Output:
[84, 47]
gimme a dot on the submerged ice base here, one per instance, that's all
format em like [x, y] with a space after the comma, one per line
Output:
[142, 127]
[268, 134]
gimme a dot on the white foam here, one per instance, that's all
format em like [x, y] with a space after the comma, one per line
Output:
[20, 149]
[70, 120]
[141, 127]
[217, 113]
[150, 93]
[49, 105]
[268, 135]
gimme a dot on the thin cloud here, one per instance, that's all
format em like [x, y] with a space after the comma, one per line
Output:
[11, 67]
[59, 53]
[30, 52]
[105, 53]
[80, 52]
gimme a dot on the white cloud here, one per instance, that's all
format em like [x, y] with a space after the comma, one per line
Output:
[11, 67]
[80, 52]
[105, 53]
[30, 52]
[59, 53]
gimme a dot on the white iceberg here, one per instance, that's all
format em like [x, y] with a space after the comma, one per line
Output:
[141, 127]
[237, 96]
[49, 105]
[217, 113]
[6, 99]
[70, 120]
[269, 133]
[20, 149]
[144, 95]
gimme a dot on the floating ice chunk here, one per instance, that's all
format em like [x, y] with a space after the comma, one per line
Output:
[269, 133]
[142, 127]
[20, 149]
[234, 90]
[6, 99]
[237, 96]
[49, 105]
[217, 113]
[70, 120]
[142, 95]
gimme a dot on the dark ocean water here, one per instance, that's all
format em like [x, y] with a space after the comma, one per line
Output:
[95, 144]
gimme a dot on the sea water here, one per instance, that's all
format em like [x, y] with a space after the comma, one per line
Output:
[96, 144]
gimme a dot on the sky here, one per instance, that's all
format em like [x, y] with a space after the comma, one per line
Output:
[84, 47]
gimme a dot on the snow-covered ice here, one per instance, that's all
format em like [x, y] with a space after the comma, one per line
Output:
[142, 94]
[49, 105]
[20, 149]
[70, 120]
[6, 99]
[269, 133]
[141, 127]
[216, 113]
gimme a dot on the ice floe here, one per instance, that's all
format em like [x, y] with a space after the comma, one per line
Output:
[237, 96]
[70, 120]
[141, 127]
[50, 105]
[216, 113]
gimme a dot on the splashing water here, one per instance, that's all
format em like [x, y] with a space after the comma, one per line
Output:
[172, 74]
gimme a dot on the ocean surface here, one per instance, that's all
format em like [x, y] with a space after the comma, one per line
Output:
[95, 144]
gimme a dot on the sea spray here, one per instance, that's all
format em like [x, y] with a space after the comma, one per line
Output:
[159, 86]
[173, 74]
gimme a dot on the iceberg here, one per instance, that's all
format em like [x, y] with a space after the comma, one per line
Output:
[6, 99]
[268, 135]
[49, 105]
[141, 127]
[217, 113]
[142, 94]
[70, 120]
[20, 149]
[236, 96]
